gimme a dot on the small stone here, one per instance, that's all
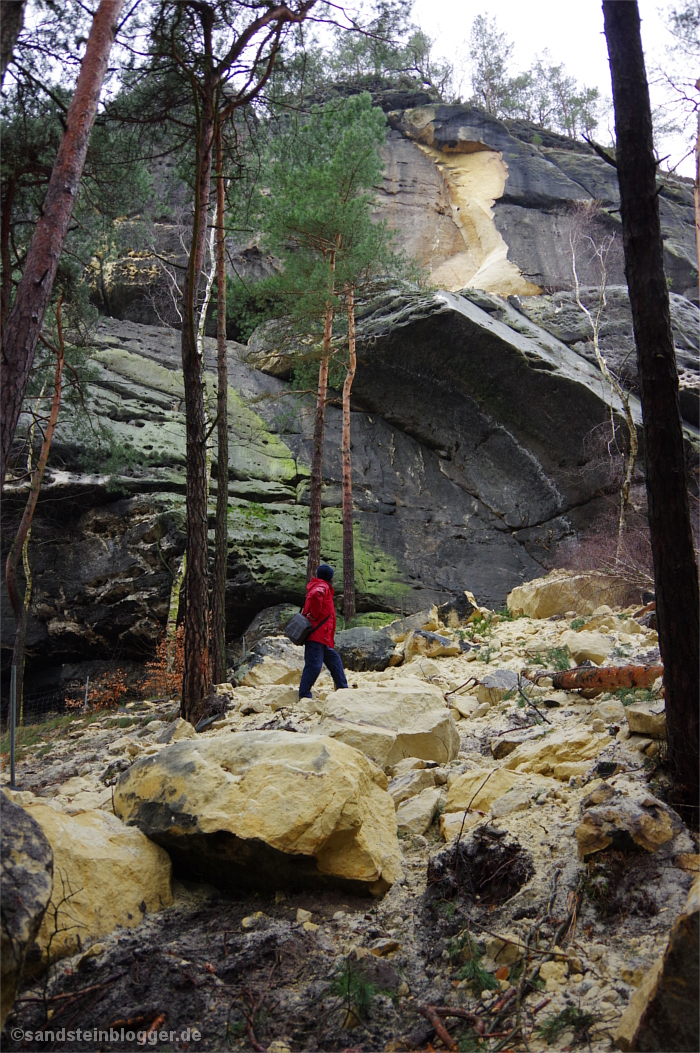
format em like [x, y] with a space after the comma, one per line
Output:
[555, 971]
[253, 921]
[415, 815]
[380, 948]
[598, 725]
[647, 720]
[303, 915]
[403, 989]
[495, 685]
[310, 926]
[481, 710]
[339, 915]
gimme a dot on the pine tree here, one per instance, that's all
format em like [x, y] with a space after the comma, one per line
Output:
[23, 326]
[225, 52]
[320, 205]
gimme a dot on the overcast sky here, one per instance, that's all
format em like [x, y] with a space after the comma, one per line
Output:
[573, 33]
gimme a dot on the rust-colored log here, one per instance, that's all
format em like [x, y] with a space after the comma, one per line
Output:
[609, 678]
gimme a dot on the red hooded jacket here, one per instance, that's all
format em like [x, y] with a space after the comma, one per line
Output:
[317, 606]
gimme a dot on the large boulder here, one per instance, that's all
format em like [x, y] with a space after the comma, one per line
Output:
[105, 874]
[664, 1012]
[392, 721]
[265, 810]
[562, 591]
[27, 880]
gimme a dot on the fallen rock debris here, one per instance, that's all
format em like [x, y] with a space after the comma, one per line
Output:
[495, 865]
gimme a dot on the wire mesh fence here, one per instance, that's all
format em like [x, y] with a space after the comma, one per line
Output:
[35, 707]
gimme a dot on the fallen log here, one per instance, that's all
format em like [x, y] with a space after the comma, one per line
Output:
[610, 678]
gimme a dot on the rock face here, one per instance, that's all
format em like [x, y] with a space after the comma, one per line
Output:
[471, 416]
[389, 723]
[507, 201]
[665, 1009]
[105, 875]
[27, 880]
[266, 809]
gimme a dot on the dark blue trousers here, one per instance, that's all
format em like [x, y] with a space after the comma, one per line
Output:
[315, 654]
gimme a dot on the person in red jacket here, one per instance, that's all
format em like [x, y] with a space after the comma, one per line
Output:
[318, 608]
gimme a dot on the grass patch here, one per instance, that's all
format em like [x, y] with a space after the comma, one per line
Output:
[28, 736]
[371, 620]
[631, 695]
[559, 658]
[577, 623]
[570, 1019]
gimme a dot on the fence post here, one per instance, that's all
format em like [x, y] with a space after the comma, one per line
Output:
[13, 709]
[87, 682]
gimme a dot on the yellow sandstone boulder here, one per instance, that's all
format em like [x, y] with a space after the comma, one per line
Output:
[561, 754]
[266, 809]
[563, 591]
[409, 718]
[105, 874]
[587, 646]
[495, 785]
[612, 818]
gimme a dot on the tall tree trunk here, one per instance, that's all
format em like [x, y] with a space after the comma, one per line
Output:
[195, 679]
[5, 257]
[35, 485]
[319, 424]
[26, 318]
[218, 620]
[675, 570]
[10, 28]
[348, 547]
[696, 189]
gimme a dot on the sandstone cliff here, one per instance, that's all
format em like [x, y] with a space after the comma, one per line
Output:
[473, 409]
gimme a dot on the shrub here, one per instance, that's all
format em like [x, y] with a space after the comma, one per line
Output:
[164, 673]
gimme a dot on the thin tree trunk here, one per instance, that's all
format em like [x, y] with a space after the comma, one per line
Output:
[173, 609]
[195, 679]
[317, 455]
[19, 649]
[35, 486]
[221, 529]
[675, 569]
[26, 318]
[348, 547]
